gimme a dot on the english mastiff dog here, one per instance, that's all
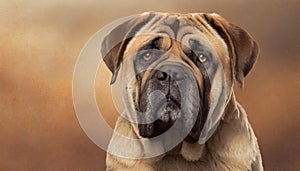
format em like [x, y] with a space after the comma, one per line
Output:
[176, 74]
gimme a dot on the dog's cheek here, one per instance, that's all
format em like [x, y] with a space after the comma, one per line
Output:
[135, 93]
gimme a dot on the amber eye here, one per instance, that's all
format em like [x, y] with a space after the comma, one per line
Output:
[147, 56]
[202, 58]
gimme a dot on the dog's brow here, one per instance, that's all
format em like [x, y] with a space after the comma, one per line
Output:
[195, 44]
[155, 43]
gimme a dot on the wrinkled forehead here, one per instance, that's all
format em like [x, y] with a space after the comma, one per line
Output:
[174, 28]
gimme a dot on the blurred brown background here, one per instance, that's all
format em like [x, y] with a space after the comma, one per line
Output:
[41, 40]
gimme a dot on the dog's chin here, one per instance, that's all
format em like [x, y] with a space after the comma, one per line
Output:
[167, 114]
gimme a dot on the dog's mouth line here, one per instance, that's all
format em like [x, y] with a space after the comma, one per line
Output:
[171, 99]
[165, 104]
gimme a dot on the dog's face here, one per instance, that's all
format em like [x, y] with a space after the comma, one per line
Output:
[177, 67]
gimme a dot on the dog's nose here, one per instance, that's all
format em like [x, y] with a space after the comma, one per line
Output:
[169, 72]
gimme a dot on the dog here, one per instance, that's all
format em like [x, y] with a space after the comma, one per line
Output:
[191, 62]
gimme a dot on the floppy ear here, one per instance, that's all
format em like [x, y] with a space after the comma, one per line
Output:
[114, 44]
[242, 48]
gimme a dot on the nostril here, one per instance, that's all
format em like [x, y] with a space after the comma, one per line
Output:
[161, 76]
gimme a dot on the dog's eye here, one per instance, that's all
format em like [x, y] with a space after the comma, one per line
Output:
[197, 56]
[147, 56]
[202, 57]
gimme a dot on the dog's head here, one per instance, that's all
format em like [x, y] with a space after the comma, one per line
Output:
[177, 67]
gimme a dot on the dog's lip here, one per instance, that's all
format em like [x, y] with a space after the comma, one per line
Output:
[168, 99]
[164, 104]
[172, 99]
[147, 130]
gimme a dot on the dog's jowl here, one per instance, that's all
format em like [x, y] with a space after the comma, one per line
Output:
[177, 73]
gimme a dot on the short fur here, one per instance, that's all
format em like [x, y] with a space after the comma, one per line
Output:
[233, 146]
